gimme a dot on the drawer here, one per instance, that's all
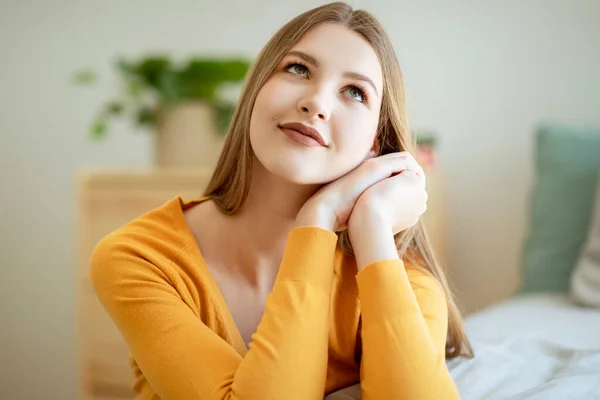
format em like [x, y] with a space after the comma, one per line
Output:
[104, 353]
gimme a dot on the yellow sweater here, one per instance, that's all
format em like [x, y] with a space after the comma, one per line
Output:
[152, 280]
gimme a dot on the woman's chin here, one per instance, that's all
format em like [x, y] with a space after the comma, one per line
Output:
[293, 173]
[299, 167]
[291, 166]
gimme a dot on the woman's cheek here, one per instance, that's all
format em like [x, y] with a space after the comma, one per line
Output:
[356, 135]
[281, 92]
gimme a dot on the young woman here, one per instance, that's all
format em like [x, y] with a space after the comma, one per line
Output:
[304, 269]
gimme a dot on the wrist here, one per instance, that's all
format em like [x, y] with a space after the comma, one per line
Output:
[363, 220]
[372, 239]
[316, 216]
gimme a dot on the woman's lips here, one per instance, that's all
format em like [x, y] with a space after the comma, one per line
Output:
[300, 138]
[305, 130]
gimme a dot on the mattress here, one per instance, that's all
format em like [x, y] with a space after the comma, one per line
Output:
[531, 347]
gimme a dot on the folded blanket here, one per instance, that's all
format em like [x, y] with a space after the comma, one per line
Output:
[528, 368]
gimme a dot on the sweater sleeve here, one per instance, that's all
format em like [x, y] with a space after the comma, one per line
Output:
[183, 359]
[404, 328]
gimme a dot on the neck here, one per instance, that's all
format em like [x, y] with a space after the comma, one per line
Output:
[258, 232]
[270, 210]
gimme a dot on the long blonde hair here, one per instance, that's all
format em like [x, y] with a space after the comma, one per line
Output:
[230, 183]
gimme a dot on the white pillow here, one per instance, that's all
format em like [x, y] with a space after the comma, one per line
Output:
[585, 280]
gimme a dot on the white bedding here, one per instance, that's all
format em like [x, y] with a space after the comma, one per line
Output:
[532, 347]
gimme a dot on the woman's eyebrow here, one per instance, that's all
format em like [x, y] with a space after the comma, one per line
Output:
[352, 75]
[306, 57]
[361, 77]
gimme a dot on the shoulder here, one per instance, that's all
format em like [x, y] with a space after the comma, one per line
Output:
[146, 248]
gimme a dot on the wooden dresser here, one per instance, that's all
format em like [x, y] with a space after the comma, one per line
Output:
[110, 199]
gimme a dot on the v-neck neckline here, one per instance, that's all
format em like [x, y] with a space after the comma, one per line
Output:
[236, 337]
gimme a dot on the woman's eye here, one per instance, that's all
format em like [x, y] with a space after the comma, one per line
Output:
[297, 69]
[356, 94]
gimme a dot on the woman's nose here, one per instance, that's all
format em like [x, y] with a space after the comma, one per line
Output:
[315, 106]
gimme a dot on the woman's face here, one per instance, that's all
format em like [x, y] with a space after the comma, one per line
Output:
[331, 80]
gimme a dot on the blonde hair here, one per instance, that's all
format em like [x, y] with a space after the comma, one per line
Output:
[230, 183]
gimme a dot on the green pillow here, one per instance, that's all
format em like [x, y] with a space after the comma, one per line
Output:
[566, 161]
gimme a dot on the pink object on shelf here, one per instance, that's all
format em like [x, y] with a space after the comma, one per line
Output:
[426, 155]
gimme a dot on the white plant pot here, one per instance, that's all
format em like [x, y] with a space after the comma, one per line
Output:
[187, 137]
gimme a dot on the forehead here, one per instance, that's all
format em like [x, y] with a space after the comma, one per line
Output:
[337, 48]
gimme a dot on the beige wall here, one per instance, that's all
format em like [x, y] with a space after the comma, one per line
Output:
[480, 73]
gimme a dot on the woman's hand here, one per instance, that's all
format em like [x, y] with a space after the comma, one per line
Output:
[333, 204]
[384, 209]
[399, 201]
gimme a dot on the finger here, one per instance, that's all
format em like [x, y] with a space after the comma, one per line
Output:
[409, 162]
[381, 169]
[414, 164]
[376, 169]
[416, 176]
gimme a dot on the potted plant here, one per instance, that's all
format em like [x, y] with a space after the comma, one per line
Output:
[426, 142]
[181, 102]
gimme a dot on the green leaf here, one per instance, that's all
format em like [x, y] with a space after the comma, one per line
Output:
[124, 67]
[224, 113]
[84, 77]
[168, 86]
[235, 70]
[215, 71]
[198, 90]
[152, 70]
[135, 89]
[201, 78]
[425, 137]
[146, 116]
[98, 130]
[115, 108]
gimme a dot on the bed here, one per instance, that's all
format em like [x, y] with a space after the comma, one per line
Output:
[537, 346]
[544, 343]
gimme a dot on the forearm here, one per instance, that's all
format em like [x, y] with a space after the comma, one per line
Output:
[290, 345]
[399, 322]
[401, 358]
